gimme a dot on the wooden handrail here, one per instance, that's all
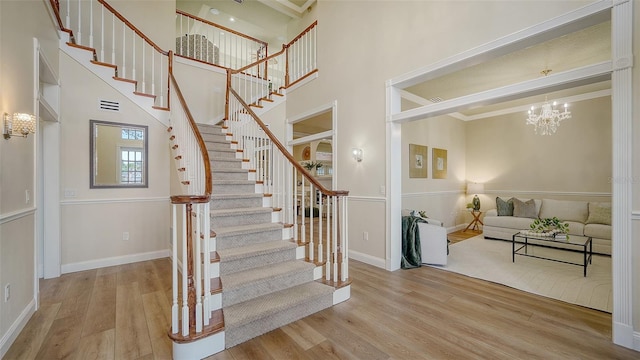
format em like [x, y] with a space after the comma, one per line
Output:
[220, 27]
[133, 27]
[201, 144]
[285, 152]
[55, 5]
[190, 199]
[302, 33]
[259, 62]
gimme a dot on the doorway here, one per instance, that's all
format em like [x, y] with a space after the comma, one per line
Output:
[618, 69]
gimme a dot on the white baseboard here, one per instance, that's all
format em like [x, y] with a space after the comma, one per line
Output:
[113, 261]
[636, 341]
[14, 330]
[367, 259]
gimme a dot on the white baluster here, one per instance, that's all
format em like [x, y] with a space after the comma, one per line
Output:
[79, 38]
[345, 237]
[91, 24]
[124, 52]
[327, 267]
[185, 289]
[113, 40]
[312, 202]
[198, 267]
[153, 72]
[334, 257]
[68, 18]
[102, 34]
[144, 85]
[174, 267]
[207, 264]
[320, 228]
[133, 56]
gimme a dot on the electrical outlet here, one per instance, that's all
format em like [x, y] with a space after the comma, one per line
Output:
[365, 235]
[125, 236]
[7, 292]
[27, 196]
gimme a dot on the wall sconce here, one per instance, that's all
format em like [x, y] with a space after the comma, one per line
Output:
[18, 124]
[357, 154]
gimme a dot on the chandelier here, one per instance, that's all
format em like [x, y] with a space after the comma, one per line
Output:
[547, 121]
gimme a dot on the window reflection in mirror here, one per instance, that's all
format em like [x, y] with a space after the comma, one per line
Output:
[118, 155]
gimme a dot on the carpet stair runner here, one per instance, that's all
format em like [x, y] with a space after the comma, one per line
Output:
[264, 285]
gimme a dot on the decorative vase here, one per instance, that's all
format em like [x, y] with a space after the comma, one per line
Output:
[476, 203]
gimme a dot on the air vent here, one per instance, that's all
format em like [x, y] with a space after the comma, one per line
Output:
[435, 99]
[109, 105]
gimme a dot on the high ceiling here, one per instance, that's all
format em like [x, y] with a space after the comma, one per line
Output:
[262, 19]
[581, 48]
[268, 19]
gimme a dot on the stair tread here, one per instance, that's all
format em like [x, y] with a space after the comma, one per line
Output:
[269, 272]
[232, 230]
[228, 170]
[241, 211]
[236, 196]
[255, 250]
[232, 182]
[248, 311]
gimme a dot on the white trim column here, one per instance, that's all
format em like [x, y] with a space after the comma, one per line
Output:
[622, 117]
[394, 180]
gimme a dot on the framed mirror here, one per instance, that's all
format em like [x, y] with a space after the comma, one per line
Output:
[118, 155]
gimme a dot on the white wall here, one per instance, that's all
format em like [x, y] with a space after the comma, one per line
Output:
[390, 38]
[575, 163]
[204, 89]
[439, 198]
[20, 22]
[94, 220]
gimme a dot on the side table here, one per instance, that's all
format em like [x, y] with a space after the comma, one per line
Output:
[474, 223]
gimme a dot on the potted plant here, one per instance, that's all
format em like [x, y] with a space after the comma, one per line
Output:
[310, 165]
[550, 226]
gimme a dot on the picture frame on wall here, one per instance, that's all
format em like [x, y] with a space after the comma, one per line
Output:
[439, 163]
[418, 161]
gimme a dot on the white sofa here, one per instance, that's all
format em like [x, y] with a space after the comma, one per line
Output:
[584, 219]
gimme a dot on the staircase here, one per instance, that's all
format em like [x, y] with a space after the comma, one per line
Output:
[265, 284]
[243, 261]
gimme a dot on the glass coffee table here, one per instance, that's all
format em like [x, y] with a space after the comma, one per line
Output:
[580, 243]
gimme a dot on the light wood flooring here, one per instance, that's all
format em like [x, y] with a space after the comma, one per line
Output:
[460, 235]
[122, 312]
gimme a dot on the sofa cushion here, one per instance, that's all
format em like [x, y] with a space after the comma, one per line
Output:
[510, 222]
[565, 210]
[504, 207]
[575, 228]
[525, 209]
[599, 231]
[599, 213]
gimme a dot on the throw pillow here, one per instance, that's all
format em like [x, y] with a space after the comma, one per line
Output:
[599, 214]
[525, 209]
[504, 207]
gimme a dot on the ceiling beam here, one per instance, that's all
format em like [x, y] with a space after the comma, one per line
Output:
[579, 19]
[564, 80]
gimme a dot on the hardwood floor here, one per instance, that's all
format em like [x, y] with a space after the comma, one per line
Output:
[460, 235]
[122, 312]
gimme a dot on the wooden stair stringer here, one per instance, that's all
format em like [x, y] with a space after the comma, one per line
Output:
[86, 57]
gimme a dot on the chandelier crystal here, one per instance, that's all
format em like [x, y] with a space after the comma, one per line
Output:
[548, 120]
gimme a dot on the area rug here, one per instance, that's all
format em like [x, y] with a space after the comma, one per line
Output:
[491, 260]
